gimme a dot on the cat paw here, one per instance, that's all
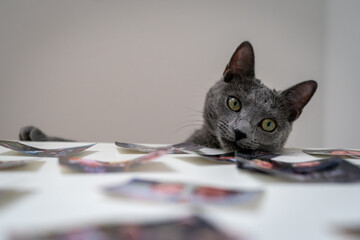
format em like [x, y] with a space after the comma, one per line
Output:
[30, 133]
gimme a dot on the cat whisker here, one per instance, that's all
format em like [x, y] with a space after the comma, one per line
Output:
[195, 116]
[194, 125]
[192, 121]
[194, 110]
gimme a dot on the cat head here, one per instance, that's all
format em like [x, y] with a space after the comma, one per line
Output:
[242, 113]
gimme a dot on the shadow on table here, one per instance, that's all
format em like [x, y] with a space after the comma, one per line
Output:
[129, 151]
[8, 196]
[245, 206]
[202, 161]
[153, 167]
[32, 166]
[12, 153]
[266, 178]
[83, 154]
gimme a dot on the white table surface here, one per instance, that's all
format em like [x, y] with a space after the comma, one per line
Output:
[52, 198]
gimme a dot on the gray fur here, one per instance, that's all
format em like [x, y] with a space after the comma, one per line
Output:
[258, 102]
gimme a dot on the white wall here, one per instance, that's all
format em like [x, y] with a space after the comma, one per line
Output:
[342, 74]
[138, 71]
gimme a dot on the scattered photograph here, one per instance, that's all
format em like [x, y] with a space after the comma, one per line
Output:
[180, 192]
[33, 151]
[192, 228]
[333, 169]
[94, 166]
[334, 152]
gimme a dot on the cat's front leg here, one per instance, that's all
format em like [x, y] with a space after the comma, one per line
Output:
[204, 138]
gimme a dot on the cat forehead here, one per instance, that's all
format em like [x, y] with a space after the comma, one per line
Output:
[256, 95]
[254, 90]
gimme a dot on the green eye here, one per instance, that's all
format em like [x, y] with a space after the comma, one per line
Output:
[234, 104]
[268, 125]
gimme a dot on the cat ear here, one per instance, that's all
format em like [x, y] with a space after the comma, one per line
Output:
[298, 96]
[242, 63]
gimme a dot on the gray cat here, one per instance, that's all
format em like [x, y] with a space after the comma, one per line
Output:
[240, 113]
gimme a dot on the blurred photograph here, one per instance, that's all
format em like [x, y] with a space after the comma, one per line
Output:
[180, 192]
[33, 151]
[193, 228]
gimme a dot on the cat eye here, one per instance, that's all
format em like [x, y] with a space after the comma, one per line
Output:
[234, 104]
[268, 125]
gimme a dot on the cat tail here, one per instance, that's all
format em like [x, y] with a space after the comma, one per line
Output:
[31, 133]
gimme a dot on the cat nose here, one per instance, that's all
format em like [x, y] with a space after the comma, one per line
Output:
[239, 135]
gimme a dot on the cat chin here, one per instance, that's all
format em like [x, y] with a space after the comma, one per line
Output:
[230, 146]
